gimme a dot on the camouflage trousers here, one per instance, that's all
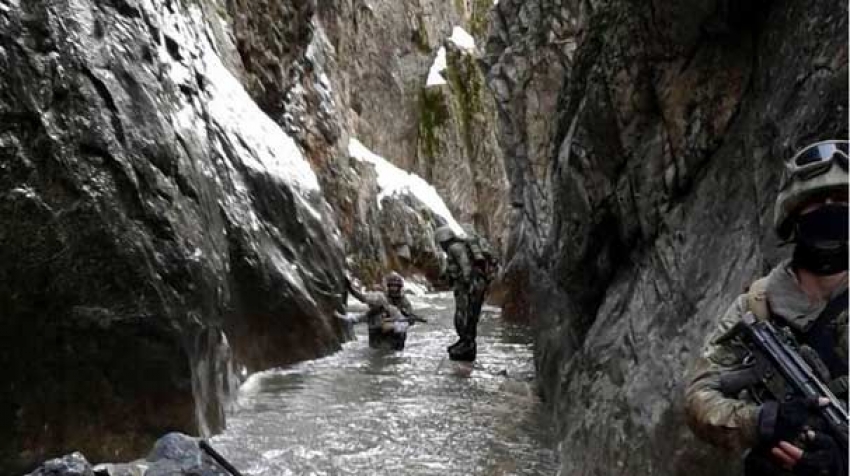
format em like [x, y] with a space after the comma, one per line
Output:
[469, 298]
[378, 339]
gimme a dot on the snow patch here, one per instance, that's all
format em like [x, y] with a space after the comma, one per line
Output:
[394, 181]
[462, 39]
[435, 77]
[263, 145]
[259, 142]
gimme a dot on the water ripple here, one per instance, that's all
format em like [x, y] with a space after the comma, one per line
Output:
[365, 412]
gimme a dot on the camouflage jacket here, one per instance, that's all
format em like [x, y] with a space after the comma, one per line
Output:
[381, 306]
[730, 422]
[403, 304]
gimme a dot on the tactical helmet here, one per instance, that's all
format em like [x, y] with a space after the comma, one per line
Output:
[816, 169]
[444, 234]
[393, 283]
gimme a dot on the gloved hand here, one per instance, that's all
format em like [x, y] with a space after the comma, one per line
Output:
[784, 421]
[822, 457]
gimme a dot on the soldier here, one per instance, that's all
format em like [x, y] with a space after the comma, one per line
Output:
[807, 294]
[389, 313]
[470, 284]
[394, 289]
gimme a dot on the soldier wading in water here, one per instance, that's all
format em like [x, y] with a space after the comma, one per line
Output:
[389, 315]
[470, 266]
[807, 295]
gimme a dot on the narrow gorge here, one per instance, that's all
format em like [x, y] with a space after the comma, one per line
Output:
[187, 185]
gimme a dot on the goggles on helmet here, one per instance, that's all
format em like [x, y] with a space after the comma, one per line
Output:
[817, 159]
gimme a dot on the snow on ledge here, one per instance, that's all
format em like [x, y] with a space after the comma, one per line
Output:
[462, 39]
[394, 181]
[435, 77]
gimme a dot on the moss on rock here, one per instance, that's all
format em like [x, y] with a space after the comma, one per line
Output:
[433, 115]
[480, 18]
[467, 86]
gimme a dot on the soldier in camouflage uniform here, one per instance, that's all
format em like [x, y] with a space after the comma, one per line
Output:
[386, 311]
[811, 211]
[470, 287]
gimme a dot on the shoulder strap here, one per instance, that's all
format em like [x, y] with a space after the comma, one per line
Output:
[834, 307]
[823, 337]
[757, 299]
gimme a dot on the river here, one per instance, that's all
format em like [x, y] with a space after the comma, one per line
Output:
[414, 412]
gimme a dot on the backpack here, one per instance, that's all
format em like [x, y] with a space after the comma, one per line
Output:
[483, 258]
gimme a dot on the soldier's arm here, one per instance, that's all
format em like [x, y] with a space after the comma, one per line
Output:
[357, 294]
[459, 254]
[726, 422]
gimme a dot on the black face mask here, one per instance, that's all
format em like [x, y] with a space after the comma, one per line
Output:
[821, 237]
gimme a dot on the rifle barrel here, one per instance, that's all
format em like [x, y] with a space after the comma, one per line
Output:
[218, 458]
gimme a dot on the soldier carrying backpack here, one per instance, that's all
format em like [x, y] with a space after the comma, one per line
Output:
[470, 267]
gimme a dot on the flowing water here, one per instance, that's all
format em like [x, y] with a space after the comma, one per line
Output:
[414, 412]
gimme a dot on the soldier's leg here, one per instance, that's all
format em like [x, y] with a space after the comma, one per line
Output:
[461, 310]
[476, 302]
[375, 338]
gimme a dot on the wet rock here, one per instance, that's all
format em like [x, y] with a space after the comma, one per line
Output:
[74, 464]
[663, 161]
[155, 228]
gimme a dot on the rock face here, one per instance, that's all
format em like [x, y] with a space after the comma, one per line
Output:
[527, 55]
[669, 133]
[457, 146]
[377, 57]
[148, 208]
[177, 196]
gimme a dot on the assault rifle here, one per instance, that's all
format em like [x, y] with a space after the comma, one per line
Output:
[414, 318]
[772, 354]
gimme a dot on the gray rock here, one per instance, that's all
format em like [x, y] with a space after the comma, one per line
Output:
[661, 166]
[178, 448]
[74, 464]
[362, 74]
[139, 224]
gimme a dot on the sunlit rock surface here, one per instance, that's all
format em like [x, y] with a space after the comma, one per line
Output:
[147, 206]
[662, 166]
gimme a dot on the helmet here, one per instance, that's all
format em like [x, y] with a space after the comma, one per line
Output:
[444, 234]
[816, 169]
[393, 283]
